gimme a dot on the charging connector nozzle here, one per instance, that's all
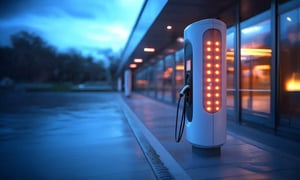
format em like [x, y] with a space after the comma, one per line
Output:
[184, 89]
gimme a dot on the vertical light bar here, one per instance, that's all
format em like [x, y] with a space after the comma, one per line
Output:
[212, 71]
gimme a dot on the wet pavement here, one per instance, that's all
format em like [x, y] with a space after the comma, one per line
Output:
[247, 153]
[67, 136]
[104, 135]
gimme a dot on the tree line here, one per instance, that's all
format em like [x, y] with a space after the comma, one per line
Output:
[31, 59]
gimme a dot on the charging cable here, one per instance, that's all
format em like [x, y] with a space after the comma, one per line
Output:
[182, 93]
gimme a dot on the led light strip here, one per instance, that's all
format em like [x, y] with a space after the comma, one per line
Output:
[212, 71]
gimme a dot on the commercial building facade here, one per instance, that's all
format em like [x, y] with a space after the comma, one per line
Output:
[263, 59]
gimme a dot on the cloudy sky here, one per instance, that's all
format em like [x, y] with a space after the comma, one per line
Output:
[86, 25]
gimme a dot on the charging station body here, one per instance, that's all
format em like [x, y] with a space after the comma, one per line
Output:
[205, 68]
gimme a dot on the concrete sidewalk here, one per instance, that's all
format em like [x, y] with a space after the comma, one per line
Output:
[242, 157]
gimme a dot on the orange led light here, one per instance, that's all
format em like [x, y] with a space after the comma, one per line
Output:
[212, 74]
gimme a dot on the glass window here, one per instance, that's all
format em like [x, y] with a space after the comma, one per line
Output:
[141, 81]
[159, 70]
[255, 66]
[152, 81]
[179, 71]
[289, 61]
[230, 68]
[168, 77]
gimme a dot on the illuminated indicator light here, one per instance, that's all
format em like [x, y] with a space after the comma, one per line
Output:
[212, 75]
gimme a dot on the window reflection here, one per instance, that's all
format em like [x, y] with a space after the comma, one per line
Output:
[159, 70]
[255, 66]
[179, 77]
[290, 65]
[230, 68]
[168, 77]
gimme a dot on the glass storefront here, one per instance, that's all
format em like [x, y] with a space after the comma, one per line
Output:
[289, 60]
[230, 70]
[168, 77]
[252, 100]
[179, 77]
[255, 67]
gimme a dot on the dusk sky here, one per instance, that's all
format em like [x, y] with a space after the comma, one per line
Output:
[86, 25]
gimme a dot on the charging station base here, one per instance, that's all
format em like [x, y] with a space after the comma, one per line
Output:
[207, 152]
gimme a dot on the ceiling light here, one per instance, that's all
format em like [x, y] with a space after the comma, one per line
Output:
[169, 27]
[149, 49]
[138, 60]
[132, 66]
[180, 40]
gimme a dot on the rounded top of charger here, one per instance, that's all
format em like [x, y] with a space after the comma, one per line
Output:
[202, 22]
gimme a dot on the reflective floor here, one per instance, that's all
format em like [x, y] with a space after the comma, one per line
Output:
[67, 136]
[247, 153]
[91, 136]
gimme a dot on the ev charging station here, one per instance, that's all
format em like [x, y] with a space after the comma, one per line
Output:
[127, 83]
[204, 92]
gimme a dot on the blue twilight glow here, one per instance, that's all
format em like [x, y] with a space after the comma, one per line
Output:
[87, 26]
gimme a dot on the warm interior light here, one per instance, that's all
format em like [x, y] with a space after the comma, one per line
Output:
[147, 49]
[256, 52]
[293, 84]
[138, 60]
[132, 66]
